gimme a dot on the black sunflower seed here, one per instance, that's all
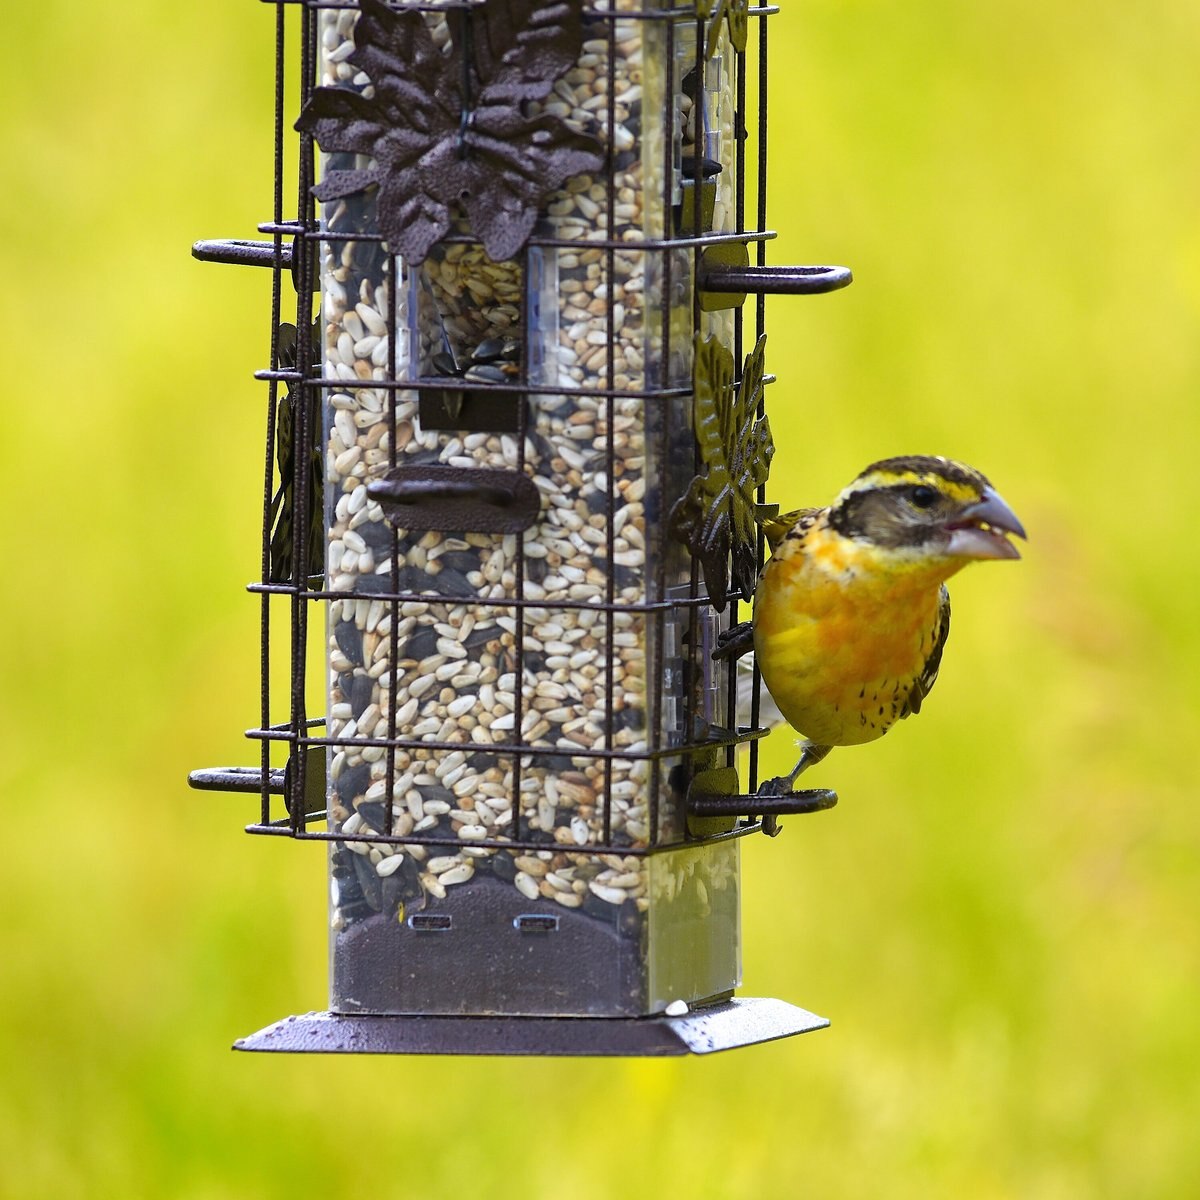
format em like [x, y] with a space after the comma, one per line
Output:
[362, 687]
[353, 781]
[349, 640]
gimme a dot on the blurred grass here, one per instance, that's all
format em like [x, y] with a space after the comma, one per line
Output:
[1001, 916]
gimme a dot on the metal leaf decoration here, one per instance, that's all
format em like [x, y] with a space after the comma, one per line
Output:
[283, 503]
[735, 12]
[450, 129]
[715, 519]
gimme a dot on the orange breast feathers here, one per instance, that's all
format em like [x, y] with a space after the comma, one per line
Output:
[840, 636]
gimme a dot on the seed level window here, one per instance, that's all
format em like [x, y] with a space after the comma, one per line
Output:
[536, 923]
[431, 922]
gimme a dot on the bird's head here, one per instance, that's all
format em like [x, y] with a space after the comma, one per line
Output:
[926, 507]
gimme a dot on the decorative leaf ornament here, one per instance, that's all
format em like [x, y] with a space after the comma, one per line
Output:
[448, 128]
[735, 12]
[715, 519]
[287, 454]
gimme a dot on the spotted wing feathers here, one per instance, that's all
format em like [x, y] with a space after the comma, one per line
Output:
[791, 524]
[924, 682]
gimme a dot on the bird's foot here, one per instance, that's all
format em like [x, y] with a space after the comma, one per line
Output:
[785, 785]
[732, 643]
[781, 785]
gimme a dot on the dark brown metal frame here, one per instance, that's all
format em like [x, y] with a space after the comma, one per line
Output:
[294, 247]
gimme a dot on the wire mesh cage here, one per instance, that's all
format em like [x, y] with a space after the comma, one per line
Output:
[516, 446]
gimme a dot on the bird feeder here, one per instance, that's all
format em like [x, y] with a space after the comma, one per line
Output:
[516, 449]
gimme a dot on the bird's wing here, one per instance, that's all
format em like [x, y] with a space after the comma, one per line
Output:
[777, 528]
[924, 682]
[739, 641]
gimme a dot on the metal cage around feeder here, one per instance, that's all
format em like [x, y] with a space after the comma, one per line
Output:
[516, 448]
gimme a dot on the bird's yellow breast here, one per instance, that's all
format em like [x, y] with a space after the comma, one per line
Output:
[841, 633]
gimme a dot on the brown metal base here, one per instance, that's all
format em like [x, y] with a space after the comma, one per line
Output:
[737, 1022]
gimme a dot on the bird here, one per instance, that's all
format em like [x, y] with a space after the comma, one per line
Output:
[851, 611]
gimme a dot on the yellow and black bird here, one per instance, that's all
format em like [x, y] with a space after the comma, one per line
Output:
[851, 612]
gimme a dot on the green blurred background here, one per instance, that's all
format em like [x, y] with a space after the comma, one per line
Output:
[1000, 917]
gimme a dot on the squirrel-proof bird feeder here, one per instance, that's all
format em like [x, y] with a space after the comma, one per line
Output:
[516, 447]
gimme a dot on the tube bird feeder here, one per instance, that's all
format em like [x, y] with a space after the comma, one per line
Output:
[516, 449]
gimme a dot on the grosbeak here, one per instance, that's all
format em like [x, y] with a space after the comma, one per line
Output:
[851, 612]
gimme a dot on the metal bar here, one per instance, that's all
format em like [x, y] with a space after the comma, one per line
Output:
[282, 828]
[403, 597]
[238, 252]
[660, 608]
[739, 133]
[739, 67]
[692, 693]
[697, 160]
[761, 151]
[399, 280]
[519, 546]
[795, 804]
[725, 738]
[441, 384]
[244, 253]
[437, 6]
[272, 411]
[300, 424]
[778, 281]
[610, 404]
[535, 239]
[760, 325]
[519, 564]
[237, 779]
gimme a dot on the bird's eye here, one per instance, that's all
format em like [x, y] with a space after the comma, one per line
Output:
[923, 496]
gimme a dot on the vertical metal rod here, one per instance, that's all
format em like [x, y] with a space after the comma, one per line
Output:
[523, 403]
[739, 64]
[463, 42]
[760, 324]
[697, 167]
[303, 249]
[392, 274]
[739, 192]
[739, 137]
[610, 267]
[760, 301]
[264, 662]
[397, 278]
[664, 414]
[695, 622]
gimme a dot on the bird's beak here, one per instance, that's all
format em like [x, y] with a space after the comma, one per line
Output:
[979, 530]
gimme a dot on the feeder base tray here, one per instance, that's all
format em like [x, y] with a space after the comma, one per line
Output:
[725, 1026]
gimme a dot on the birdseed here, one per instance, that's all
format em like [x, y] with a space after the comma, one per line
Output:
[442, 669]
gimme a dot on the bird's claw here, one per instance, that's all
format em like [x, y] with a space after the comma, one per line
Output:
[781, 785]
[734, 642]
